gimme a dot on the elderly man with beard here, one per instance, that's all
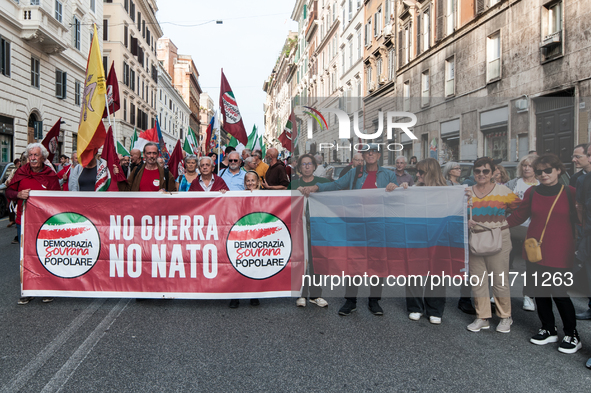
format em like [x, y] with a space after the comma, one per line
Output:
[367, 176]
[207, 180]
[276, 178]
[233, 176]
[149, 176]
[34, 175]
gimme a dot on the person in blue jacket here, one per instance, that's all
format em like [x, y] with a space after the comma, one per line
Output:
[369, 175]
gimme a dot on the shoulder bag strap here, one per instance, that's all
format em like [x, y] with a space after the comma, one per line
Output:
[550, 213]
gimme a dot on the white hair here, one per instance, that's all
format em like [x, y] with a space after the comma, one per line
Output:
[399, 157]
[44, 151]
[235, 152]
[207, 158]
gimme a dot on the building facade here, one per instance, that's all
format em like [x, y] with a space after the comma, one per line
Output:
[185, 77]
[130, 32]
[279, 88]
[489, 77]
[44, 49]
[206, 112]
[173, 112]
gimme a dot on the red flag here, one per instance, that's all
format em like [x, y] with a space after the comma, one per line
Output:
[110, 155]
[290, 133]
[175, 163]
[112, 92]
[233, 124]
[285, 140]
[51, 140]
[208, 134]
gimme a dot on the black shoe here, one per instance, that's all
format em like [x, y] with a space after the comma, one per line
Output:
[570, 344]
[585, 315]
[375, 308]
[348, 308]
[544, 337]
[254, 302]
[234, 303]
[465, 305]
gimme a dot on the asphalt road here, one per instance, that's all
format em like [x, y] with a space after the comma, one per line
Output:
[120, 345]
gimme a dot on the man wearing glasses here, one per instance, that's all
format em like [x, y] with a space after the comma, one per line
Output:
[581, 161]
[370, 175]
[401, 174]
[232, 175]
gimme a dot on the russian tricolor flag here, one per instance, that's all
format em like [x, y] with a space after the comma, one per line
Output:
[418, 231]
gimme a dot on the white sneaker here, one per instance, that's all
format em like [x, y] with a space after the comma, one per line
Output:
[435, 320]
[415, 316]
[492, 300]
[320, 302]
[528, 304]
[478, 325]
[301, 302]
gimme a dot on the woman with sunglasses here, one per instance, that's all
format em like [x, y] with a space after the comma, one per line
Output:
[306, 167]
[452, 172]
[551, 207]
[183, 182]
[488, 203]
[525, 179]
[429, 300]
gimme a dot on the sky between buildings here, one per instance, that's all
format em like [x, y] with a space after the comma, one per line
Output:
[246, 45]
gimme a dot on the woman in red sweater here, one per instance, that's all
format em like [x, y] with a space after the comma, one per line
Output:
[551, 276]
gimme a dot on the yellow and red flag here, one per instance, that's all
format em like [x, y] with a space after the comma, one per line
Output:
[91, 131]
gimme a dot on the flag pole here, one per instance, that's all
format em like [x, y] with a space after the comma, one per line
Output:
[219, 145]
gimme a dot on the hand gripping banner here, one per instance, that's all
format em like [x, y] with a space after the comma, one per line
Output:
[151, 245]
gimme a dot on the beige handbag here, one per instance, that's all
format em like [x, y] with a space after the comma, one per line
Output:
[533, 248]
[485, 242]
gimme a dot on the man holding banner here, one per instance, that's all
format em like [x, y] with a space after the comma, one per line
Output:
[149, 176]
[34, 175]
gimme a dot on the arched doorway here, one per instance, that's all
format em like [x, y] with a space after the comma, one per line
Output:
[34, 128]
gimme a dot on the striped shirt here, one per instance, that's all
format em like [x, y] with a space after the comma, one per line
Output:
[491, 209]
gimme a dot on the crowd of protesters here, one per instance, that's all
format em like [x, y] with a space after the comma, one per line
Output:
[535, 203]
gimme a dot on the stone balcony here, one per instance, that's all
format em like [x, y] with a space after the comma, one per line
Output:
[40, 28]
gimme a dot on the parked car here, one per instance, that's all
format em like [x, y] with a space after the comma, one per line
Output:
[338, 170]
[5, 168]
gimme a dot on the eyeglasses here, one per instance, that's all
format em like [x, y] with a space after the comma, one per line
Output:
[307, 164]
[483, 171]
[539, 172]
[421, 172]
[232, 160]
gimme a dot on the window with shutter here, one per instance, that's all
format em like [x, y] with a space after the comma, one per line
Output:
[105, 30]
[440, 20]
[479, 6]
[419, 34]
[4, 57]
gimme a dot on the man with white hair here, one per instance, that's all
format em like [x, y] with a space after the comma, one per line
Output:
[34, 175]
[401, 174]
[233, 175]
[207, 180]
[320, 169]
[250, 164]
